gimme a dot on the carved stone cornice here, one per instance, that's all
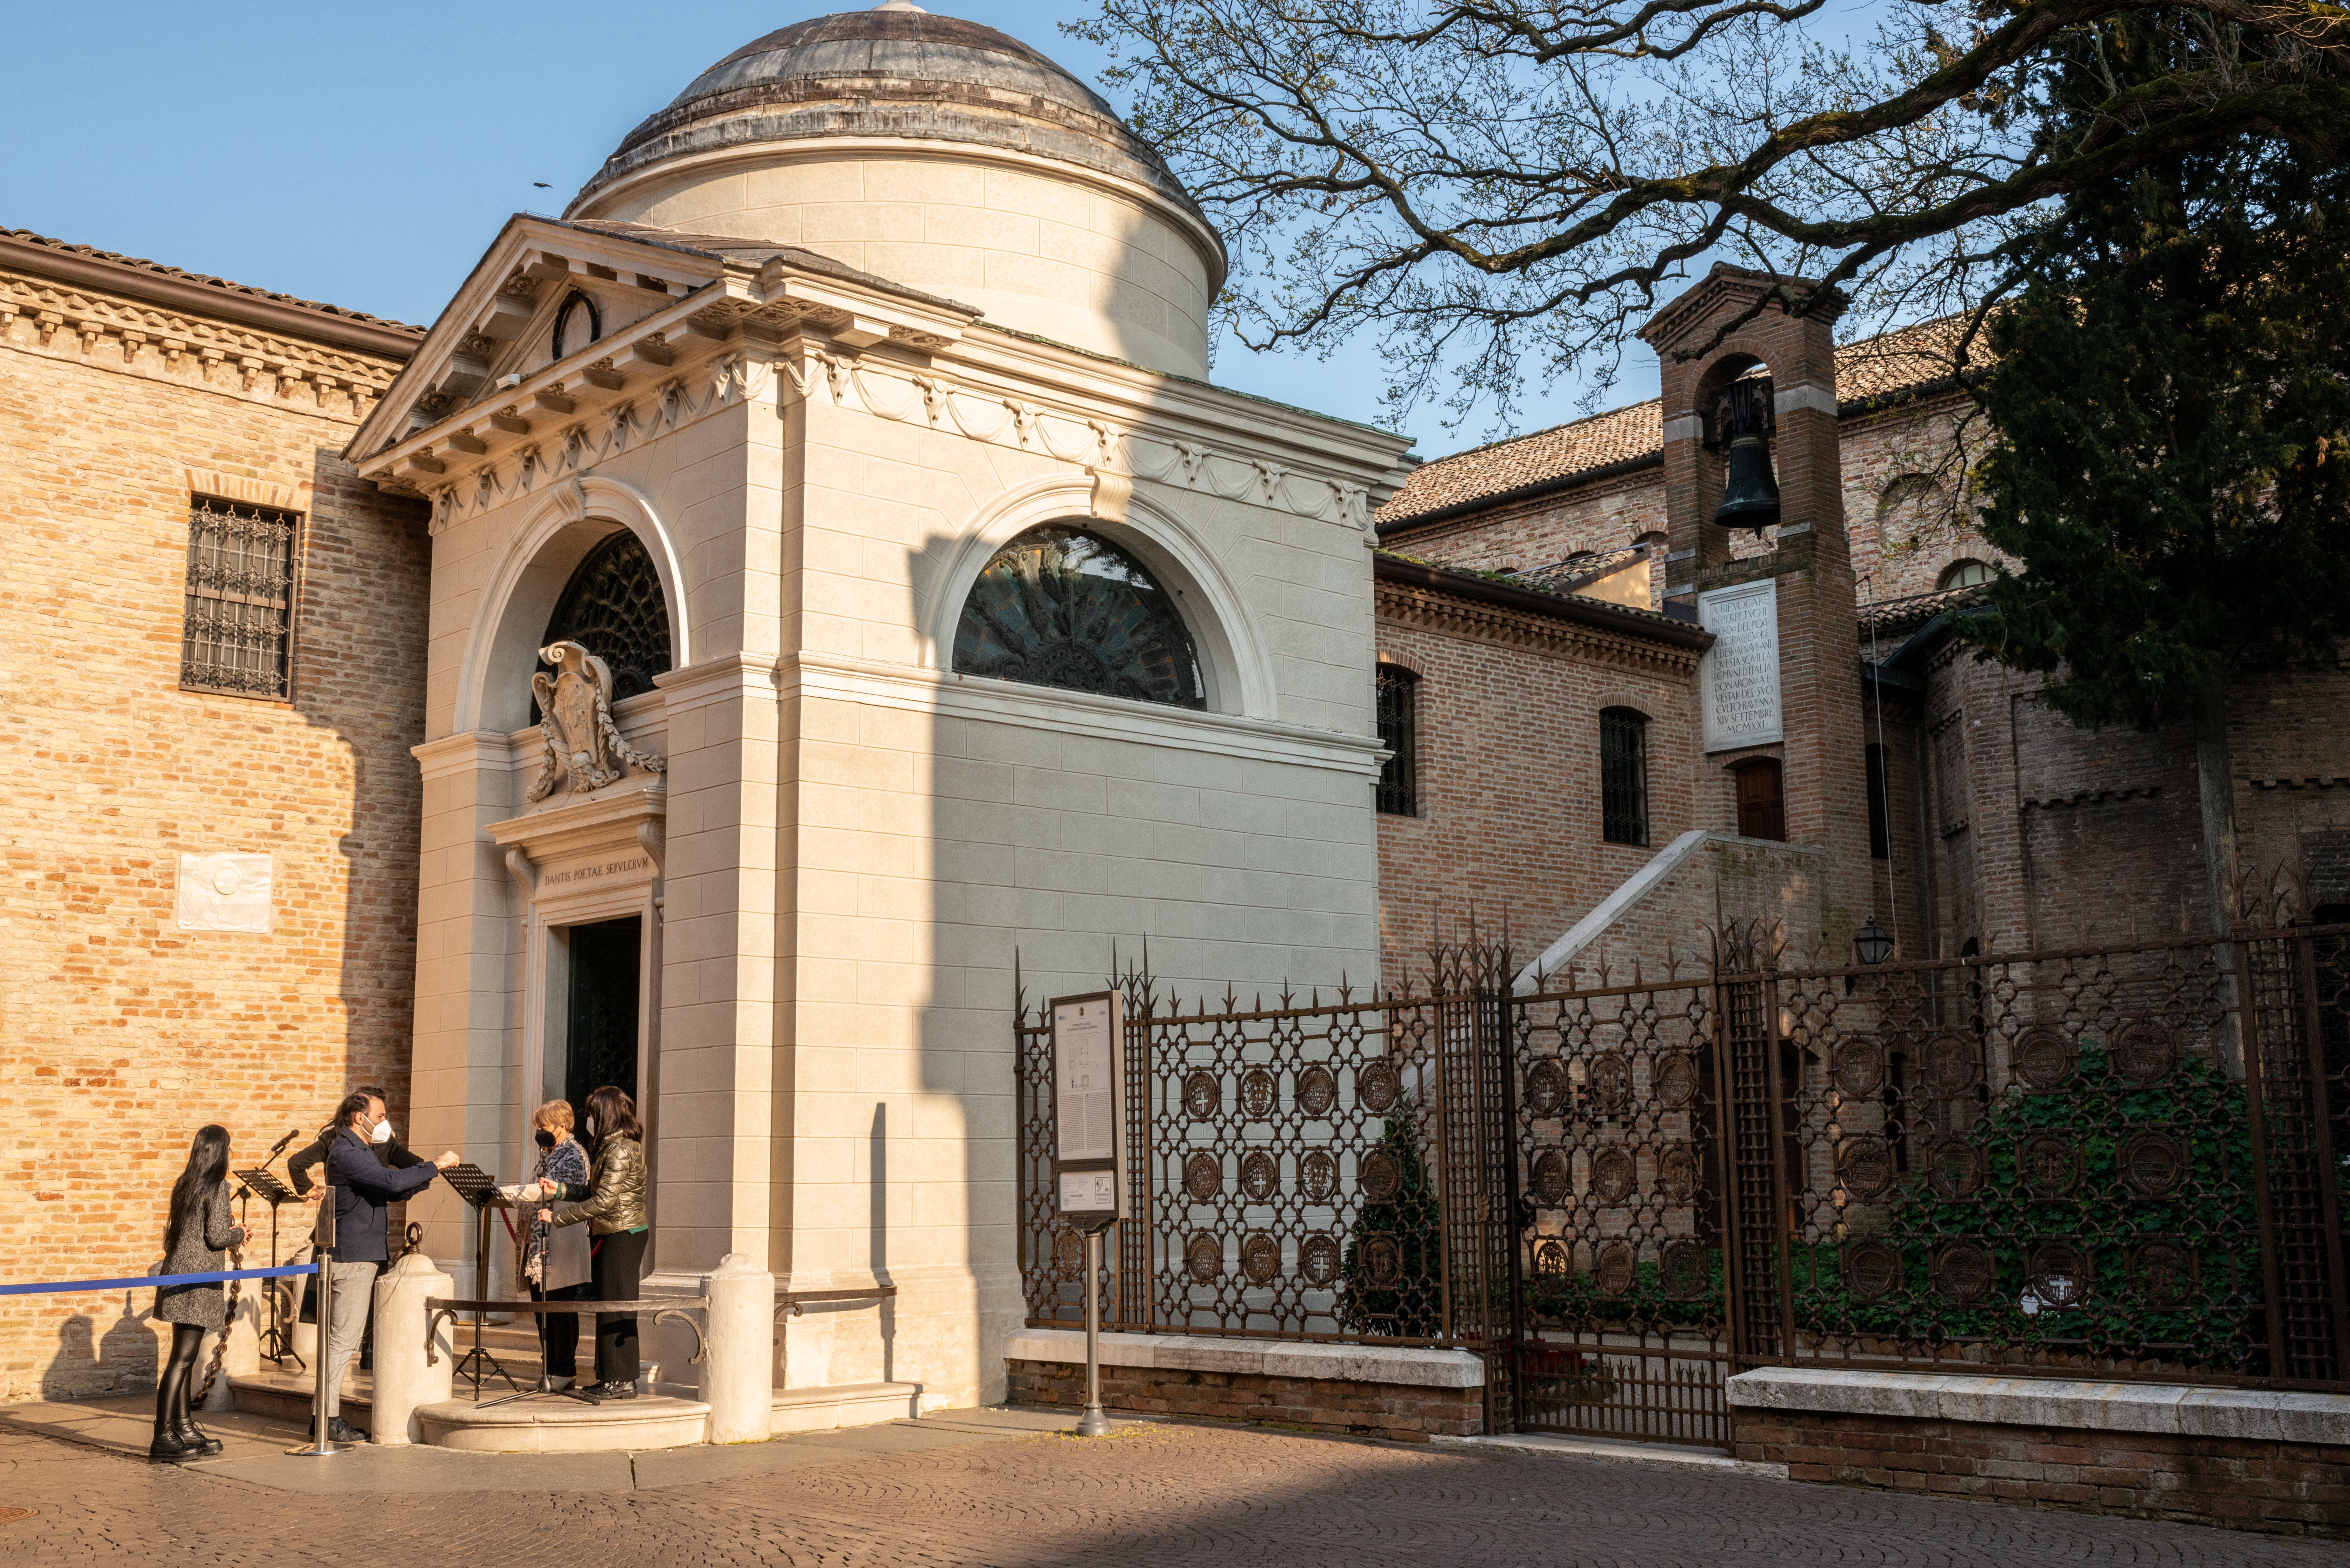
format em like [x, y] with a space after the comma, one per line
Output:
[1458, 615]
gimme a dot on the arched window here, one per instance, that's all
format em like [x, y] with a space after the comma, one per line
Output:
[1963, 574]
[1398, 718]
[576, 325]
[613, 607]
[1624, 775]
[1060, 606]
[1762, 799]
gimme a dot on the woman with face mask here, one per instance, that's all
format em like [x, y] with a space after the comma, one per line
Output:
[554, 1263]
[194, 1238]
[616, 1216]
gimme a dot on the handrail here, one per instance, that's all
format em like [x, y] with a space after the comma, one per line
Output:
[799, 1300]
[437, 1308]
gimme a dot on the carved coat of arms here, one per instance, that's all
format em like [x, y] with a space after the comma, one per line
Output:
[584, 747]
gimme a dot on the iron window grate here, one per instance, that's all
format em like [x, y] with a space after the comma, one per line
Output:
[1624, 775]
[1398, 719]
[237, 636]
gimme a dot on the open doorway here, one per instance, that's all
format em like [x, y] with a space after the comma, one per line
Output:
[601, 1016]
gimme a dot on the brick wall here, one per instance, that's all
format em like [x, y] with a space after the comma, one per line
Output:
[1396, 1411]
[2290, 1489]
[1509, 826]
[121, 1033]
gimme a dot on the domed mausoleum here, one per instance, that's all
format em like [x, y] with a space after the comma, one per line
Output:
[838, 609]
[942, 154]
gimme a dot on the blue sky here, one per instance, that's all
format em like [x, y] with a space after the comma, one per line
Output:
[366, 156]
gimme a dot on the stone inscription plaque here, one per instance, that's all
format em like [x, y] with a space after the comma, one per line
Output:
[223, 893]
[596, 871]
[1740, 673]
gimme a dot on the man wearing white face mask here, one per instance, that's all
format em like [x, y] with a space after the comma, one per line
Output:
[298, 1165]
[364, 1187]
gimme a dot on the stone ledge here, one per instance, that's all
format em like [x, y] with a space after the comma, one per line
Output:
[2257, 1414]
[1395, 1365]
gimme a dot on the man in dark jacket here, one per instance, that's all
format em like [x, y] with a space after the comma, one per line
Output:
[363, 1189]
[389, 1150]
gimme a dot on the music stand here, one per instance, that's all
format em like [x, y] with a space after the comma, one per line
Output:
[277, 1339]
[478, 1188]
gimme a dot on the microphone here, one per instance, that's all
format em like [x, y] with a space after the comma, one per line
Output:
[279, 1146]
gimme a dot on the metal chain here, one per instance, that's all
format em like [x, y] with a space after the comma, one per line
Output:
[220, 1345]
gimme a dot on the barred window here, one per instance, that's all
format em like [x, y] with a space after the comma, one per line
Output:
[237, 634]
[1399, 717]
[1624, 775]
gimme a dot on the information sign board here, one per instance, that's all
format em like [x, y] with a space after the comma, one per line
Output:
[1089, 1105]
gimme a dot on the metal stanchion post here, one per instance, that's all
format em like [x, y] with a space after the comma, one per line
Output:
[1094, 1423]
[322, 1256]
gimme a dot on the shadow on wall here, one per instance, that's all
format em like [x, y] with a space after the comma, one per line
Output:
[121, 1361]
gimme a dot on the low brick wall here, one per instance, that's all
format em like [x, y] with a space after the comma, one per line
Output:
[2241, 1458]
[1367, 1391]
[1319, 1404]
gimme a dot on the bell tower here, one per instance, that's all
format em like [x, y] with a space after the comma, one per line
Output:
[1758, 555]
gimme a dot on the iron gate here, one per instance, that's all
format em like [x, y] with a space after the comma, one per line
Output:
[2119, 1162]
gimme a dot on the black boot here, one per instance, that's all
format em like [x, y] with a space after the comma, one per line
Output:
[195, 1439]
[171, 1396]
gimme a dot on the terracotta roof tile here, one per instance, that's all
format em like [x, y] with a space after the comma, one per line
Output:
[1563, 576]
[28, 237]
[1897, 362]
[1888, 616]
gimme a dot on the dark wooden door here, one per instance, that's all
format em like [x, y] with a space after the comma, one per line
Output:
[1762, 799]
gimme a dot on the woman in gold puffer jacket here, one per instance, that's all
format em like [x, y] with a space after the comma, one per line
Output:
[612, 1206]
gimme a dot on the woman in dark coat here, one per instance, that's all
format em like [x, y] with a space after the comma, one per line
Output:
[198, 1232]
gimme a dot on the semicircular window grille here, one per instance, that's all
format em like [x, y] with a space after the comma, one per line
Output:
[613, 607]
[1060, 606]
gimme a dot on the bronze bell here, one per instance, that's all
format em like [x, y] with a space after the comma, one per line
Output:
[1743, 420]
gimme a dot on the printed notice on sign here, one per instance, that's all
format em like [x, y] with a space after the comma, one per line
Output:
[1089, 1193]
[1740, 673]
[1085, 1093]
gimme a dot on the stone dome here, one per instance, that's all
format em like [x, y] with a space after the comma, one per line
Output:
[942, 154]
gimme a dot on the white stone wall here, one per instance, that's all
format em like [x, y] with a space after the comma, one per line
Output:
[1082, 260]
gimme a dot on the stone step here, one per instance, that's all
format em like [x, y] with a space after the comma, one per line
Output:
[553, 1425]
[843, 1405]
[286, 1397]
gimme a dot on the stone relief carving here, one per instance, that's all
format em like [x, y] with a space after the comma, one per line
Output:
[584, 746]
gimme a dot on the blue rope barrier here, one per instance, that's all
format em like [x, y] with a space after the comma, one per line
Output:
[140, 1281]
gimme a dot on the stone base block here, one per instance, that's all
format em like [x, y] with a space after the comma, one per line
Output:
[1381, 1392]
[565, 1425]
[2246, 1458]
[844, 1405]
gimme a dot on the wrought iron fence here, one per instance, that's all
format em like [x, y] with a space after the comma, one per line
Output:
[2122, 1161]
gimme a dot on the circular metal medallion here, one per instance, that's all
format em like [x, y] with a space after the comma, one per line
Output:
[1260, 1258]
[1378, 1087]
[2057, 1272]
[1871, 1270]
[1951, 1066]
[1955, 1168]
[1260, 1176]
[1962, 1272]
[1545, 1087]
[1381, 1177]
[1318, 1259]
[1068, 1256]
[2146, 1050]
[1857, 1066]
[1610, 1083]
[1383, 1261]
[1676, 1080]
[2163, 1269]
[2154, 1163]
[1259, 1093]
[1617, 1268]
[1317, 1091]
[1676, 1172]
[1612, 1176]
[1865, 1166]
[1202, 1095]
[2050, 1165]
[1550, 1178]
[1682, 1269]
[2042, 1057]
[1317, 1177]
[1203, 1177]
[1550, 1258]
[1203, 1255]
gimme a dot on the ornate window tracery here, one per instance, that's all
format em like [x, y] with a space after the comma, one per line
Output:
[613, 606]
[1060, 606]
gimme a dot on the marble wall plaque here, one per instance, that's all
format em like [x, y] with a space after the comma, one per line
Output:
[1740, 673]
[227, 892]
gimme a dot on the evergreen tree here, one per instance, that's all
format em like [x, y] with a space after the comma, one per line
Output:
[2171, 408]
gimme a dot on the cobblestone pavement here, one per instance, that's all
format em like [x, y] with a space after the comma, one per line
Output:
[938, 1493]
